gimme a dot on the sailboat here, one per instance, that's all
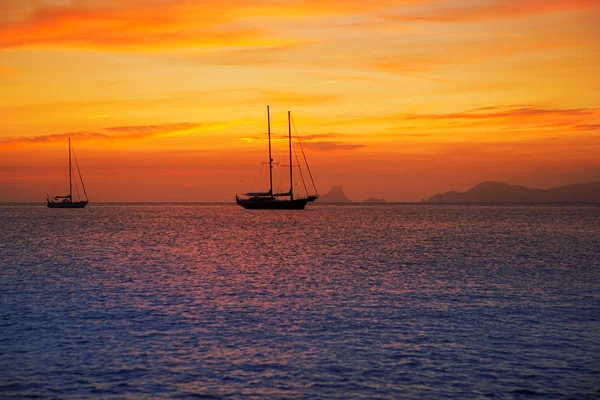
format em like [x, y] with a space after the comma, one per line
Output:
[67, 201]
[278, 201]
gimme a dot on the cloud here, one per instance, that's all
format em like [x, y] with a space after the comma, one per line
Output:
[141, 131]
[139, 25]
[162, 24]
[7, 70]
[312, 142]
[121, 103]
[57, 137]
[353, 78]
[412, 67]
[319, 136]
[496, 114]
[493, 123]
[588, 127]
[294, 98]
[303, 138]
[111, 133]
[483, 11]
[249, 55]
[331, 146]
[451, 53]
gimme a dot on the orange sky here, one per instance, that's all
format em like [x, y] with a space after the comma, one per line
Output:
[165, 100]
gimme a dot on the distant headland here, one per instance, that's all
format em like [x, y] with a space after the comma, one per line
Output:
[335, 195]
[500, 192]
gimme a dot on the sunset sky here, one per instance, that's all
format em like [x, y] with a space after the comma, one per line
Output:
[165, 100]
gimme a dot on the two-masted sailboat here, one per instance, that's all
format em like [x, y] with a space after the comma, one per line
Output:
[278, 201]
[67, 201]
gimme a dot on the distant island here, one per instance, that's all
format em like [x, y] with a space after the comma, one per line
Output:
[335, 195]
[500, 192]
[374, 200]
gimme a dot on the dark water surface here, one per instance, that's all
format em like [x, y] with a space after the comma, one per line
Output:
[212, 301]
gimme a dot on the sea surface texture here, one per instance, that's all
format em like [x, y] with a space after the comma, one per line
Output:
[346, 302]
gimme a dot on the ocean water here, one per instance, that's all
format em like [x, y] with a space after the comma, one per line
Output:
[362, 302]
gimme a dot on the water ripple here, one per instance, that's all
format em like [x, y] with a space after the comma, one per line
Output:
[211, 301]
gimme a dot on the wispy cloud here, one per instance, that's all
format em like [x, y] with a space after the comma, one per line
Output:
[258, 55]
[317, 136]
[113, 133]
[313, 142]
[353, 78]
[303, 138]
[588, 127]
[7, 70]
[56, 137]
[325, 83]
[411, 67]
[414, 62]
[494, 9]
[332, 146]
[499, 112]
[517, 113]
[294, 98]
[495, 123]
[138, 25]
[162, 24]
[135, 131]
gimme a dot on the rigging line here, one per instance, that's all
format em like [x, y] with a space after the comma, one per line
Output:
[259, 177]
[305, 160]
[299, 165]
[79, 172]
[300, 169]
[77, 190]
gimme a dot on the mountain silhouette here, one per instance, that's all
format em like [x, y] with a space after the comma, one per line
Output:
[500, 192]
[335, 195]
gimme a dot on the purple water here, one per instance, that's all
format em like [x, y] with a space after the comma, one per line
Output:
[213, 301]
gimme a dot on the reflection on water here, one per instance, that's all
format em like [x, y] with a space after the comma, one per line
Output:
[393, 301]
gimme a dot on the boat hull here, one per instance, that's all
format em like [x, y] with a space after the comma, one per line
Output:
[67, 204]
[272, 204]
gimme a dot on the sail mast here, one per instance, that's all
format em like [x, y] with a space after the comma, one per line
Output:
[290, 145]
[270, 158]
[70, 174]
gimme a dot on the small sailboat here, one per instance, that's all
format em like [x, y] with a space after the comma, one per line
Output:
[67, 201]
[278, 201]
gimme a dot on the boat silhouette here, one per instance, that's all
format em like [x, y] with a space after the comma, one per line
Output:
[278, 201]
[67, 201]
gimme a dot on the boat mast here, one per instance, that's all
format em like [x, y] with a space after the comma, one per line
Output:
[270, 158]
[290, 145]
[70, 174]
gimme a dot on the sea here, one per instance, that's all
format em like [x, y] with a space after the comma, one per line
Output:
[211, 301]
